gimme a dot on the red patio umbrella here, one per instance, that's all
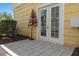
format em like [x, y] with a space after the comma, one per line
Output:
[33, 21]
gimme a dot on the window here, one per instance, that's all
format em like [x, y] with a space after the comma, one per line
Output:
[43, 23]
[55, 22]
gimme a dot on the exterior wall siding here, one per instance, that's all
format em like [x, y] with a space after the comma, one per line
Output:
[22, 14]
[71, 35]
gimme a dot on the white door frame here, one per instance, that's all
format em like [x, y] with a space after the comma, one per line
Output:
[43, 37]
[61, 22]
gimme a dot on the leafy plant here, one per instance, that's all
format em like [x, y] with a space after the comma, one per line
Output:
[5, 16]
[7, 25]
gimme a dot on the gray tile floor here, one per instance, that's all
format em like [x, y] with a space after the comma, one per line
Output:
[39, 48]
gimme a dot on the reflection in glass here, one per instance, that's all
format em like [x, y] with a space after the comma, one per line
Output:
[55, 22]
[43, 23]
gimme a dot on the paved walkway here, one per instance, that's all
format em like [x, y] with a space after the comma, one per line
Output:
[39, 48]
[3, 52]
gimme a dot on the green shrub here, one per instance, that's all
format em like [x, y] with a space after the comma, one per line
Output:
[5, 16]
[7, 24]
[8, 27]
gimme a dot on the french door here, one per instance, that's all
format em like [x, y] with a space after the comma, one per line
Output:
[43, 23]
[50, 24]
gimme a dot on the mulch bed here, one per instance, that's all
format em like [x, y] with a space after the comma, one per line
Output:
[12, 39]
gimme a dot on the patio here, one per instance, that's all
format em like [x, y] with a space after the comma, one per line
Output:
[39, 48]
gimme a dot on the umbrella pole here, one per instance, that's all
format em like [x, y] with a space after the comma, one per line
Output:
[28, 32]
[31, 33]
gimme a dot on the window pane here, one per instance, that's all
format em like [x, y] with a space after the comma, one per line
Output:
[56, 35]
[57, 11]
[53, 13]
[43, 23]
[52, 34]
[55, 22]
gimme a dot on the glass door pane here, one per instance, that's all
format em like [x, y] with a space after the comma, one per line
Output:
[43, 22]
[55, 22]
